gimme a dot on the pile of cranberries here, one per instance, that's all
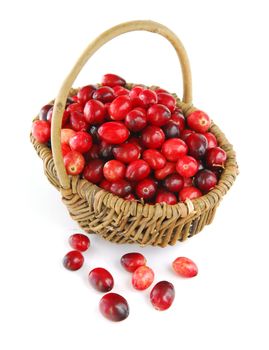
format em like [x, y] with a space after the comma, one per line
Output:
[136, 143]
[112, 305]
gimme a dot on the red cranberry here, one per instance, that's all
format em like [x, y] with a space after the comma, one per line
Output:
[188, 181]
[120, 107]
[167, 100]
[171, 130]
[172, 149]
[114, 307]
[121, 188]
[66, 135]
[174, 182]
[79, 242]
[136, 120]
[73, 260]
[186, 133]
[41, 131]
[158, 115]
[112, 80]
[152, 137]
[104, 94]
[137, 170]
[78, 121]
[199, 121]
[211, 140]
[81, 142]
[136, 141]
[120, 91]
[154, 159]
[215, 157]
[75, 107]
[162, 295]
[178, 118]
[93, 171]
[168, 169]
[126, 152]
[65, 149]
[94, 112]
[197, 144]
[85, 94]
[190, 192]
[113, 132]
[166, 197]
[74, 163]
[105, 185]
[114, 170]
[131, 261]
[146, 189]
[101, 279]
[142, 277]
[187, 166]
[185, 267]
[134, 95]
[205, 180]
[44, 111]
[148, 97]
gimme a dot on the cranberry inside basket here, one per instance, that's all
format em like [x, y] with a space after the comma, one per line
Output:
[134, 163]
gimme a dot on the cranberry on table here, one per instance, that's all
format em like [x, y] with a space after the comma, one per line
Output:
[101, 279]
[136, 120]
[166, 197]
[114, 307]
[104, 94]
[142, 277]
[152, 137]
[173, 149]
[178, 118]
[74, 163]
[168, 169]
[66, 135]
[186, 133]
[94, 112]
[131, 261]
[81, 142]
[199, 121]
[167, 100]
[121, 188]
[187, 166]
[154, 159]
[146, 188]
[216, 157]
[162, 295]
[105, 185]
[137, 170]
[197, 144]
[185, 267]
[126, 152]
[73, 260]
[93, 171]
[190, 192]
[120, 107]
[112, 80]
[158, 115]
[148, 97]
[79, 242]
[205, 180]
[174, 182]
[44, 111]
[211, 140]
[85, 93]
[41, 131]
[114, 170]
[113, 132]
[171, 130]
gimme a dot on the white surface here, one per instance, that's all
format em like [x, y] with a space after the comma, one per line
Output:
[43, 306]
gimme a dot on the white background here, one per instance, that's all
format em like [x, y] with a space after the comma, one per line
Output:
[44, 306]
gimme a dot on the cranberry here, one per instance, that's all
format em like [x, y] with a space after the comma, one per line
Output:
[186, 133]
[142, 277]
[158, 115]
[126, 152]
[74, 163]
[211, 140]
[187, 166]
[131, 261]
[185, 267]
[178, 118]
[162, 295]
[172, 149]
[114, 170]
[93, 153]
[79, 242]
[65, 148]
[94, 112]
[130, 197]
[167, 100]
[174, 182]
[216, 157]
[136, 120]
[41, 131]
[73, 260]
[114, 307]
[146, 188]
[78, 121]
[205, 180]
[120, 107]
[121, 188]
[137, 170]
[171, 130]
[106, 150]
[168, 169]
[113, 132]
[154, 159]
[148, 97]
[197, 144]
[75, 107]
[81, 142]
[152, 137]
[190, 192]
[85, 93]
[66, 135]
[134, 95]
[44, 111]
[120, 91]
[93, 171]
[166, 197]
[112, 80]
[105, 185]
[101, 279]
[104, 94]
[199, 121]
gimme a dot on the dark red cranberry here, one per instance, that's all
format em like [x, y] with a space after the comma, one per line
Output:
[173, 182]
[131, 261]
[171, 130]
[154, 159]
[93, 131]
[158, 115]
[197, 144]
[152, 137]
[173, 149]
[93, 171]
[121, 188]
[104, 94]
[85, 93]
[113, 132]
[216, 158]
[114, 307]
[101, 279]
[120, 107]
[146, 189]
[114, 170]
[137, 170]
[136, 120]
[112, 80]
[168, 169]
[44, 111]
[167, 100]
[106, 150]
[166, 197]
[73, 260]
[190, 192]
[94, 112]
[78, 121]
[126, 152]
[162, 295]
[79, 242]
[205, 180]
[93, 153]
[185, 134]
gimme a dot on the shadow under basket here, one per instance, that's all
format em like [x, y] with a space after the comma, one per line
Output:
[115, 219]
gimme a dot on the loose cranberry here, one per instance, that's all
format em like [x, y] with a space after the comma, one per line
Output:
[104, 94]
[120, 107]
[185, 267]
[65, 148]
[113, 132]
[75, 107]
[106, 150]
[136, 120]
[197, 144]
[186, 133]
[152, 137]
[146, 188]
[93, 171]
[134, 95]
[188, 181]
[131, 261]
[158, 115]
[171, 130]
[81, 142]
[187, 166]
[172, 149]
[85, 93]
[101, 279]
[79, 242]
[120, 91]
[162, 295]
[112, 80]
[93, 153]
[190, 192]
[130, 197]
[41, 131]
[168, 169]
[167, 100]
[94, 112]
[154, 159]
[178, 118]
[137, 170]
[44, 111]
[142, 277]
[114, 307]
[121, 188]
[148, 97]
[74, 163]
[105, 185]
[166, 197]
[199, 121]
[174, 182]
[66, 135]
[211, 140]
[73, 260]
[126, 152]
[205, 180]
[216, 157]
[114, 170]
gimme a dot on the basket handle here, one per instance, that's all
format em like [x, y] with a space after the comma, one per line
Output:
[106, 36]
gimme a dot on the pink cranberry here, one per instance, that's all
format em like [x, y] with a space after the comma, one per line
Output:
[142, 277]
[185, 267]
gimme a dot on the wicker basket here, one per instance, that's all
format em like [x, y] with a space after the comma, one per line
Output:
[116, 219]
